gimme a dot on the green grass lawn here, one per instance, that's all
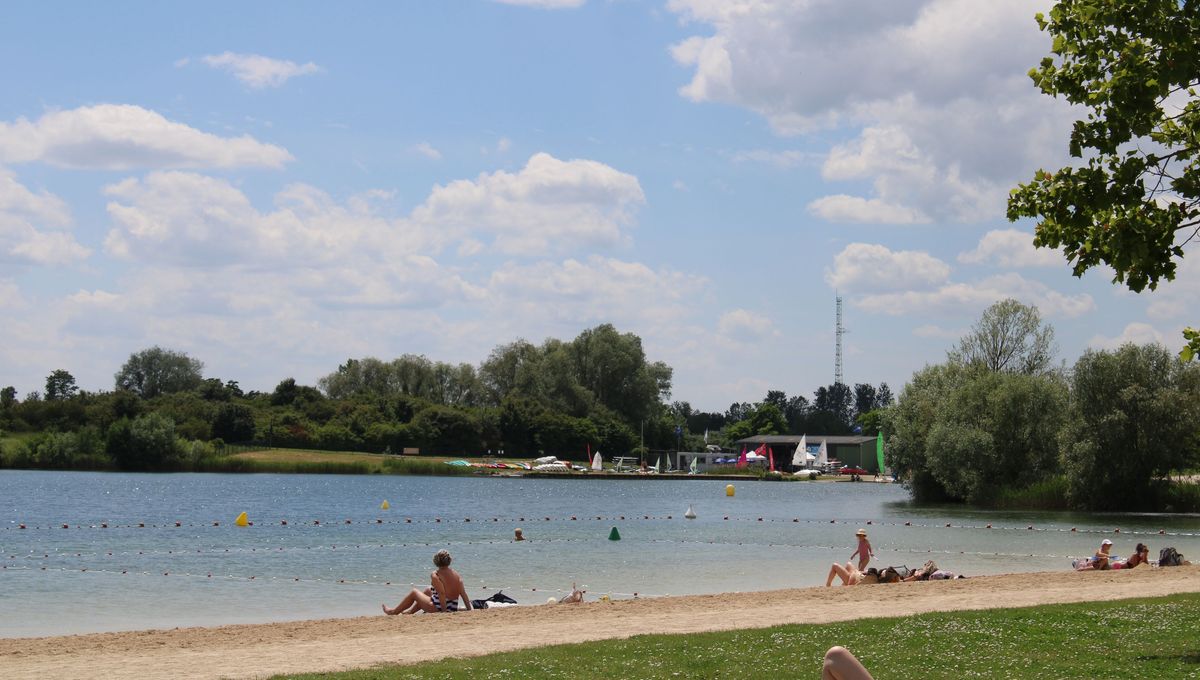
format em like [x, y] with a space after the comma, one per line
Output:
[1143, 638]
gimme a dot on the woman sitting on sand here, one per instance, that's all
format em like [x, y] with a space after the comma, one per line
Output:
[850, 575]
[442, 596]
[1099, 560]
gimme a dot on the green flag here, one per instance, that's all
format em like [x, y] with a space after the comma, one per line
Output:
[879, 451]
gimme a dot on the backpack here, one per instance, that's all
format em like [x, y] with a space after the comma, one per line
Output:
[1169, 557]
[889, 575]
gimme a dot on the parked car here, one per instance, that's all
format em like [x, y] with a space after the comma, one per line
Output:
[852, 471]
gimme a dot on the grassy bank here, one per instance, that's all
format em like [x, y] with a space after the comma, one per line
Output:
[1141, 638]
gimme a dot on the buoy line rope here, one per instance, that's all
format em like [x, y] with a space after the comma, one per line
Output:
[210, 576]
[315, 524]
[347, 548]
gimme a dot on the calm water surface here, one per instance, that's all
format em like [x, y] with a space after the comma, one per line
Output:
[86, 578]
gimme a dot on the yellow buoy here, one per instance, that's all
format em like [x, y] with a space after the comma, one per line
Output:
[241, 520]
[384, 505]
[728, 489]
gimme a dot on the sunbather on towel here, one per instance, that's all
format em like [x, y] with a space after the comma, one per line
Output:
[442, 595]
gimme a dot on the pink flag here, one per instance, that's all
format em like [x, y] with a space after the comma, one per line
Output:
[742, 458]
[771, 458]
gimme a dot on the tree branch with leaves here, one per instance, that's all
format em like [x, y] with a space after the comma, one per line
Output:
[1132, 201]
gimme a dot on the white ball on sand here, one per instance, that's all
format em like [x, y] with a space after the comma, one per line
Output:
[551, 600]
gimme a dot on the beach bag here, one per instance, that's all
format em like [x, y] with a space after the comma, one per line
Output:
[889, 575]
[501, 597]
[1169, 557]
[479, 604]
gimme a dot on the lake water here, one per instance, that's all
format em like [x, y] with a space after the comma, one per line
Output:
[86, 578]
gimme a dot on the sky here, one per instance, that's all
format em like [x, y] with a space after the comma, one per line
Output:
[276, 187]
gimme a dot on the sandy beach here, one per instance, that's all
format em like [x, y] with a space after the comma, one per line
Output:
[336, 644]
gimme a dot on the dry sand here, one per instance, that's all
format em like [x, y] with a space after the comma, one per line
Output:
[338, 644]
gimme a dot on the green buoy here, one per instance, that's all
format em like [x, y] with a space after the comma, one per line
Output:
[614, 535]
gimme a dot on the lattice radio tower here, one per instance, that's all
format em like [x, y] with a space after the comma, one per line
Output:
[838, 332]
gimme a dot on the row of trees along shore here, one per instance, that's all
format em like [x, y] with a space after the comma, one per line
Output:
[997, 423]
[596, 391]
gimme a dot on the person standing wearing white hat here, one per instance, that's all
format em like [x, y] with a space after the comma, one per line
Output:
[864, 550]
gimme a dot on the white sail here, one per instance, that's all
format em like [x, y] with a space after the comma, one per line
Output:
[694, 466]
[658, 464]
[800, 458]
[597, 462]
[822, 455]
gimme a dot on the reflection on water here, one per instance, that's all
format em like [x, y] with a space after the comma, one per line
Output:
[776, 535]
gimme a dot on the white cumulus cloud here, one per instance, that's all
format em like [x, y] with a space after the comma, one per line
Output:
[1137, 332]
[1011, 248]
[870, 267]
[972, 298]
[550, 205]
[34, 227]
[937, 90]
[843, 208]
[123, 137]
[257, 71]
[744, 325]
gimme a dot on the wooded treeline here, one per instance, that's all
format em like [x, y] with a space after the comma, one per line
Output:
[597, 391]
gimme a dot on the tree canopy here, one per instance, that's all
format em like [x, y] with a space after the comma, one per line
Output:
[1132, 200]
[156, 371]
[1009, 337]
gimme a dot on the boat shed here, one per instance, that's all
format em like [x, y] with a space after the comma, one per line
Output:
[853, 450]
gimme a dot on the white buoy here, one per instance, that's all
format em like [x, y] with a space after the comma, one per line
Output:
[690, 514]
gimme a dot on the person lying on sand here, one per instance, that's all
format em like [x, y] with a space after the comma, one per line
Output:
[1141, 555]
[850, 575]
[840, 664]
[442, 595]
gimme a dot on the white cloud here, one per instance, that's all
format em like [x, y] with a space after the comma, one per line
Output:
[503, 144]
[258, 71]
[1138, 333]
[10, 295]
[34, 227]
[971, 298]
[938, 90]
[549, 205]
[745, 325]
[1178, 299]
[843, 208]
[200, 221]
[544, 4]
[869, 267]
[930, 330]
[680, 185]
[1011, 248]
[122, 137]
[426, 149]
[594, 290]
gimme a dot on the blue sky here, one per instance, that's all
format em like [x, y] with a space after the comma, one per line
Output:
[276, 187]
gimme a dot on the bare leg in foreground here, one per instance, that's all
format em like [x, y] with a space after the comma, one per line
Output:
[840, 664]
[415, 601]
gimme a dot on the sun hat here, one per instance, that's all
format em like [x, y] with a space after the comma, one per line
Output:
[861, 532]
[1106, 542]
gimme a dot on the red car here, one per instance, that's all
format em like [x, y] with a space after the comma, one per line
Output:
[852, 471]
